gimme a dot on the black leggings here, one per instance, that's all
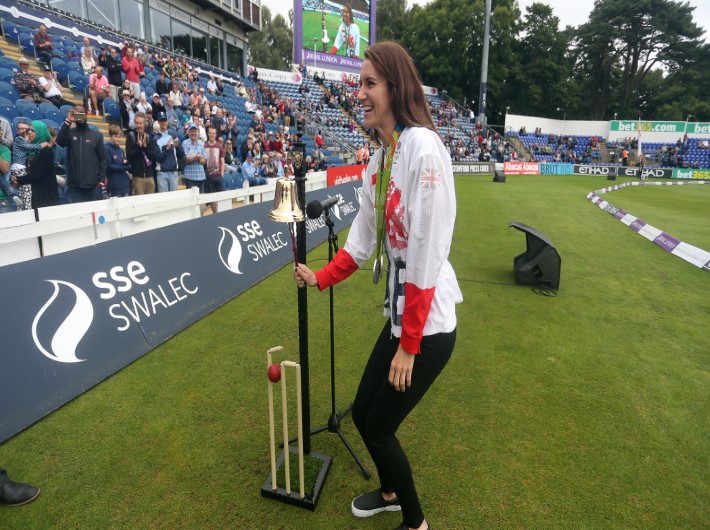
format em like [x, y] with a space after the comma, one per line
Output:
[379, 409]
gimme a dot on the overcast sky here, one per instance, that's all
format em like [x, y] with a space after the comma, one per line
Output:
[570, 13]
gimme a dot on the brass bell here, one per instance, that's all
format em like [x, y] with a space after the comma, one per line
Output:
[286, 208]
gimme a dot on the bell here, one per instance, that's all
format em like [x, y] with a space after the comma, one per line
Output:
[286, 208]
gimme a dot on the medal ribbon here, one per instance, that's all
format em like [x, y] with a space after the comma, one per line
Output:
[381, 187]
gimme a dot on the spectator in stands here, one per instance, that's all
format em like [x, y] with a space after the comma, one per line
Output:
[40, 173]
[214, 168]
[88, 63]
[51, 89]
[117, 168]
[86, 156]
[9, 199]
[195, 160]
[268, 169]
[23, 148]
[141, 152]
[43, 45]
[212, 86]
[239, 90]
[98, 89]
[142, 104]
[162, 85]
[323, 164]
[232, 175]
[114, 69]
[170, 114]
[171, 68]
[174, 96]
[127, 108]
[249, 171]
[132, 70]
[26, 84]
[102, 59]
[185, 97]
[157, 105]
[86, 45]
[221, 124]
[278, 164]
[169, 152]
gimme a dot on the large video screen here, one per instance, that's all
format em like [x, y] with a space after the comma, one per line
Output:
[333, 34]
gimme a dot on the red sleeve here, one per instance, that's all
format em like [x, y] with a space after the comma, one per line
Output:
[342, 266]
[417, 303]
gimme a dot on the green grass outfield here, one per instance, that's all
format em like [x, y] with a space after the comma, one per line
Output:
[586, 410]
[312, 27]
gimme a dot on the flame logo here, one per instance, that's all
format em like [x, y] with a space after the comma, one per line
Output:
[70, 332]
[233, 251]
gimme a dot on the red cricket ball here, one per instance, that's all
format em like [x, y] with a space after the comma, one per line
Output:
[274, 373]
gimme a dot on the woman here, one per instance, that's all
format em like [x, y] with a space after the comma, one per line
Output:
[410, 194]
[143, 105]
[88, 64]
[40, 169]
[348, 34]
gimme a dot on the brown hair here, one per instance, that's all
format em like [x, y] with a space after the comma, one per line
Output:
[114, 130]
[393, 63]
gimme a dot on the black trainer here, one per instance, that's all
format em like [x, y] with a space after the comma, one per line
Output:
[371, 503]
[405, 527]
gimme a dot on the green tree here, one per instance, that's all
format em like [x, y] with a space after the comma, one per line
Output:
[272, 47]
[391, 20]
[544, 67]
[627, 39]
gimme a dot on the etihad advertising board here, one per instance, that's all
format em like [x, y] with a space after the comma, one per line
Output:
[78, 317]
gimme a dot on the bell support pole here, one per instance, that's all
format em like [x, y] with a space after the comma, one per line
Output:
[299, 150]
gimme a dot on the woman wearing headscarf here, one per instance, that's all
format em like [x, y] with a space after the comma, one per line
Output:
[40, 170]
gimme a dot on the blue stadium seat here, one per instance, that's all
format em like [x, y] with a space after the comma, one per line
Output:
[7, 109]
[9, 63]
[112, 111]
[59, 66]
[51, 124]
[6, 75]
[32, 113]
[27, 43]
[64, 111]
[77, 81]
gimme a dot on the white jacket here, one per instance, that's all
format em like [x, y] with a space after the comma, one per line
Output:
[422, 290]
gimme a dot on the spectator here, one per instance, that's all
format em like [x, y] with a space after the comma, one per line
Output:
[170, 113]
[174, 97]
[195, 159]
[323, 164]
[212, 86]
[51, 89]
[157, 105]
[40, 174]
[86, 156]
[114, 69]
[162, 86]
[169, 152]
[215, 162]
[249, 170]
[268, 170]
[220, 86]
[132, 70]
[88, 63]
[141, 152]
[142, 105]
[127, 108]
[185, 98]
[221, 124]
[9, 197]
[26, 84]
[15, 493]
[118, 182]
[23, 148]
[86, 45]
[102, 59]
[43, 45]
[98, 89]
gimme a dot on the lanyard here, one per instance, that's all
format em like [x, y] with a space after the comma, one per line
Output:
[381, 187]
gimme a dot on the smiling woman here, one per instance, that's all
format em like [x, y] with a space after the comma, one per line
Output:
[409, 191]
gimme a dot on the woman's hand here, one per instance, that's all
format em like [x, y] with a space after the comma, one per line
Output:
[304, 276]
[400, 376]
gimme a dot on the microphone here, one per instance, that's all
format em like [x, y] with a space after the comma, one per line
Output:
[315, 208]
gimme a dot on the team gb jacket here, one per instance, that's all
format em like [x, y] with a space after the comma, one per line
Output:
[422, 290]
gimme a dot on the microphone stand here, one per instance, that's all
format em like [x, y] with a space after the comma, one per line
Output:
[335, 417]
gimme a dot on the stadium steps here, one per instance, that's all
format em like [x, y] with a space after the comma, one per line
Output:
[521, 148]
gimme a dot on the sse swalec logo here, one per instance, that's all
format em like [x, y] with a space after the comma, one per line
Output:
[230, 250]
[63, 343]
